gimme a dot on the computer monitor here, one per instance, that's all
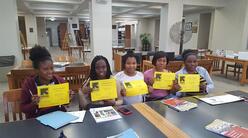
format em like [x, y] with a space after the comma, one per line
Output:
[170, 55]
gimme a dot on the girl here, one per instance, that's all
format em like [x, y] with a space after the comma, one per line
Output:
[159, 62]
[100, 69]
[129, 63]
[191, 67]
[43, 64]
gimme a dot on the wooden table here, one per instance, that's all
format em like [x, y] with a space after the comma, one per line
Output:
[13, 80]
[244, 63]
[71, 48]
[148, 120]
[25, 52]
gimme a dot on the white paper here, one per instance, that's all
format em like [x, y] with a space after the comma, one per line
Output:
[61, 64]
[79, 114]
[227, 98]
[104, 114]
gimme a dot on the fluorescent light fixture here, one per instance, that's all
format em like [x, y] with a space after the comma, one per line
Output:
[52, 19]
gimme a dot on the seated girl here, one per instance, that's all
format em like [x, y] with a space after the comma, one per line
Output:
[43, 64]
[159, 62]
[129, 63]
[100, 69]
[191, 67]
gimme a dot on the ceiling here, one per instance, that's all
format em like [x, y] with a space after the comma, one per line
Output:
[80, 8]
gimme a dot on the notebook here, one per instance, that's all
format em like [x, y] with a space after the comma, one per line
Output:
[222, 99]
[129, 133]
[179, 104]
[56, 119]
[227, 129]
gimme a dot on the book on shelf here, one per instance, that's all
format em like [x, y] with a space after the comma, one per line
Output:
[179, 104]
[103, 114]
[227, 129]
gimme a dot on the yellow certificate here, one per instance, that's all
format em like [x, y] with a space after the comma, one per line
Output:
[189, 82]
[103, 89]
[163, 80]
[53, 95]
[136, 87]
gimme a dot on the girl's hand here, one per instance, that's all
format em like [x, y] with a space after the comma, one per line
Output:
[203, 88]
[150, 89]
[175, 87]
[123, 92]
[109, 102]
[35, 99]
[71, 94]
[86, 90]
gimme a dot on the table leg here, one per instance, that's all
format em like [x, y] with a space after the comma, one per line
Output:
[222, 66]
[243, 76]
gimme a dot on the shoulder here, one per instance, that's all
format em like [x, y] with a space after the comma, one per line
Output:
[119, 74]
[139, 75]
[181, 71]
[148, 72]
[59, 79]
[200, 69]
[29, 81]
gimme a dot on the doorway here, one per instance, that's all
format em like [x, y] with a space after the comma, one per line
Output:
[49, 36]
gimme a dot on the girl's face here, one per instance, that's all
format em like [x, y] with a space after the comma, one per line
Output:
[131, 65]
[101, 69]
[191, 63]
[46, 70]
[161, 63]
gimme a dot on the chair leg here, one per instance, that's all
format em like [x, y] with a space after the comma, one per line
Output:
[226, 70]
[235, 71]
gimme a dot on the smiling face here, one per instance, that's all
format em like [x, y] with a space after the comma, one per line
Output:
[130, 65]
[45, 70]
[161, 64]
[191, 63]
[101, 69]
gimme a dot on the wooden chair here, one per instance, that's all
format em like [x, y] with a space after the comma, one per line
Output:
[11, 102]
[207, 64]
[147, 65]
[237, 69]
[174, 66]
[26, 64]
[76, 76]
[18, 76]
[63, 58]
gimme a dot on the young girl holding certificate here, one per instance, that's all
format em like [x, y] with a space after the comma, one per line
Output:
[100, 70]
[43, 64]
[129, 63]
[159, 62]
[191, 67]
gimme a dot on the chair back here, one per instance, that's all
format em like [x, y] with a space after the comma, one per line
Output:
[147, 65]
[11, 104]
[207, 64]
[18, 76]
[76, 75]
[174, 66]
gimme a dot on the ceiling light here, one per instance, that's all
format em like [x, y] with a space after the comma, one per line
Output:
[52, 19]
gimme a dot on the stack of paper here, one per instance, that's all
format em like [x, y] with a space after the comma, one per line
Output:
[79, 114]
[227, 129]
[227, 98]
[129, 133]
[56, 119]
[179, 104]
[104, 114]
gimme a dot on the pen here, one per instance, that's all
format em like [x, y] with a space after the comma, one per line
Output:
[30, 92]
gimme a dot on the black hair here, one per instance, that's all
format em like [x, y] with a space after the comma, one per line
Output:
[158, 55]
[187, 53]
[39, 54]
[93, 75]
[129, 54]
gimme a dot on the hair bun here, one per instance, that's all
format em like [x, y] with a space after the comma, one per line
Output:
[38, 52]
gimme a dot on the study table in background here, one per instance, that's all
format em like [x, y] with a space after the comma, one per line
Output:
[152, 119]
[244, 64]
[12, 78]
